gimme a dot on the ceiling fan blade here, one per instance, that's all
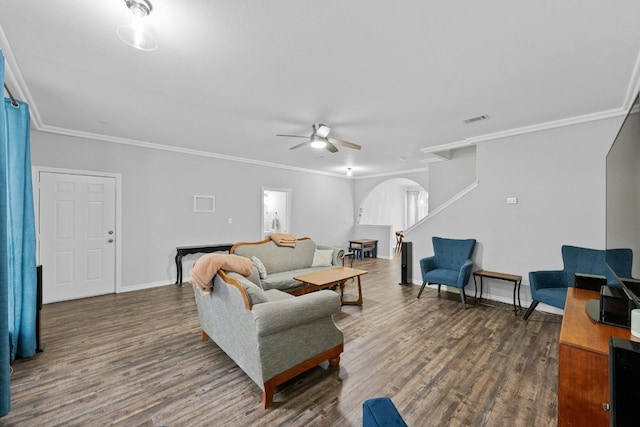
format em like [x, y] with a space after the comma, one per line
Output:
[300, 145]
[293, 136]
[331, 147]
[344, 143]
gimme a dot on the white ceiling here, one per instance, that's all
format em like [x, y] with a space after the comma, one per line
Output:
[394, 77]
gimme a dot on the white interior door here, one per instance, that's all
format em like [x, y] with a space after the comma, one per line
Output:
[77, 235]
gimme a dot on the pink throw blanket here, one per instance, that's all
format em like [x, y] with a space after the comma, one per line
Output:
[283, 239]
[207, 266]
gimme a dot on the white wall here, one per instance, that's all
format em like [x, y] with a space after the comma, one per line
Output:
[157, 201]
[449, 177]
[558, 177]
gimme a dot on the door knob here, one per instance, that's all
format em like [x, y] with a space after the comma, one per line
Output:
[110, 240]
[110, 231]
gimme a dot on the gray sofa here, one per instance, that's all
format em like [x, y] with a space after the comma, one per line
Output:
[271, 335]
[283, 263]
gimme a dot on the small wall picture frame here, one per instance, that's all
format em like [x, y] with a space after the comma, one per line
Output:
[206, 204]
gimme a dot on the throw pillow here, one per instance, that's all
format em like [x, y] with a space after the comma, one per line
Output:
[322, 258]
[256, 295]
[262, 271]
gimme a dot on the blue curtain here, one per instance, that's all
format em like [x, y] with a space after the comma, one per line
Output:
[21, 233]
[5, 353]
[18, 252]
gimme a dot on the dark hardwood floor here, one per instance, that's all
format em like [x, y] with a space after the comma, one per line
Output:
[135, 359]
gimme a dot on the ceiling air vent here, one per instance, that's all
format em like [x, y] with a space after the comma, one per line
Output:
[476, 119]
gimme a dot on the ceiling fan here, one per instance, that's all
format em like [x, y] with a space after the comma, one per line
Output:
[319, 138]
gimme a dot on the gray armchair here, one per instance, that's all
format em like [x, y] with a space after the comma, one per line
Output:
[271, 335]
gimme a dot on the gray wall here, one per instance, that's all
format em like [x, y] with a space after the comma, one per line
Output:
[558, 177]
[157, 201]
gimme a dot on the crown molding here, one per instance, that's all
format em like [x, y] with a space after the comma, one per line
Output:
[379, 175]
[632, 91]
[586, 118]
[17, 83]
[174, 149]
[21, 91]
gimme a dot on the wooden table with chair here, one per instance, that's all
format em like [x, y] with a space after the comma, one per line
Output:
[360, 247]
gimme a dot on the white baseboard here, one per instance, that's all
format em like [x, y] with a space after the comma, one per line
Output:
[142, 286]
[507, 300]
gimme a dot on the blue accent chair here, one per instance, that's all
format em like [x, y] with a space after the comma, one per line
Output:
[550, 286]
[379, 412]
[450, 266]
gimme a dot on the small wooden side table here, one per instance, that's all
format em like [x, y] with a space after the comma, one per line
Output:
[515, 279]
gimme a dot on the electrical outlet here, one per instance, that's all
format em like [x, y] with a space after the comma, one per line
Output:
[512, 200]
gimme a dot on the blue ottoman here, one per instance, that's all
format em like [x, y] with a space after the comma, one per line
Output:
[380, 411]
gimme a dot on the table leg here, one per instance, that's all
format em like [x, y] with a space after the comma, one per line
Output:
[178, 269]
[475, 293]
[475, 289]
[356, 302]
[516, 285]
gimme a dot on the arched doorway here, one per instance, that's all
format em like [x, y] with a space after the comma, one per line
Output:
[399, 202]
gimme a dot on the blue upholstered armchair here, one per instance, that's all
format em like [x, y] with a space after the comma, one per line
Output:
[550, 287]
[450, 266]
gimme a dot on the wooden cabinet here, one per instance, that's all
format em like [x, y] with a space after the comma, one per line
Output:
[583, 366]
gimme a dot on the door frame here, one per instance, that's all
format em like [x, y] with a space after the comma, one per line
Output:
[35, 173]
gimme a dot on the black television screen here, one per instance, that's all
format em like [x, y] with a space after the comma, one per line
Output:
[623, 198]
[624, 377]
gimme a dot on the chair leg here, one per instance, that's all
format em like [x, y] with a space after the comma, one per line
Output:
[439, 289]
[530, 310]
[462, 297]
[422, 288]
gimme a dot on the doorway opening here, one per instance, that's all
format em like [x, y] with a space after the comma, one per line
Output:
[399, 202]
[276, 211]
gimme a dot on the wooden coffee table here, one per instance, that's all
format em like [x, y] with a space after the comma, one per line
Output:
[324, 279]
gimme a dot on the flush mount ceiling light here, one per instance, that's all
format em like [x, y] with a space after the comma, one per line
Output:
[136, 32]
[318, 142]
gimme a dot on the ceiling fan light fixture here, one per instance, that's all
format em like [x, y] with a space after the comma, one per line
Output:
[135, 31]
